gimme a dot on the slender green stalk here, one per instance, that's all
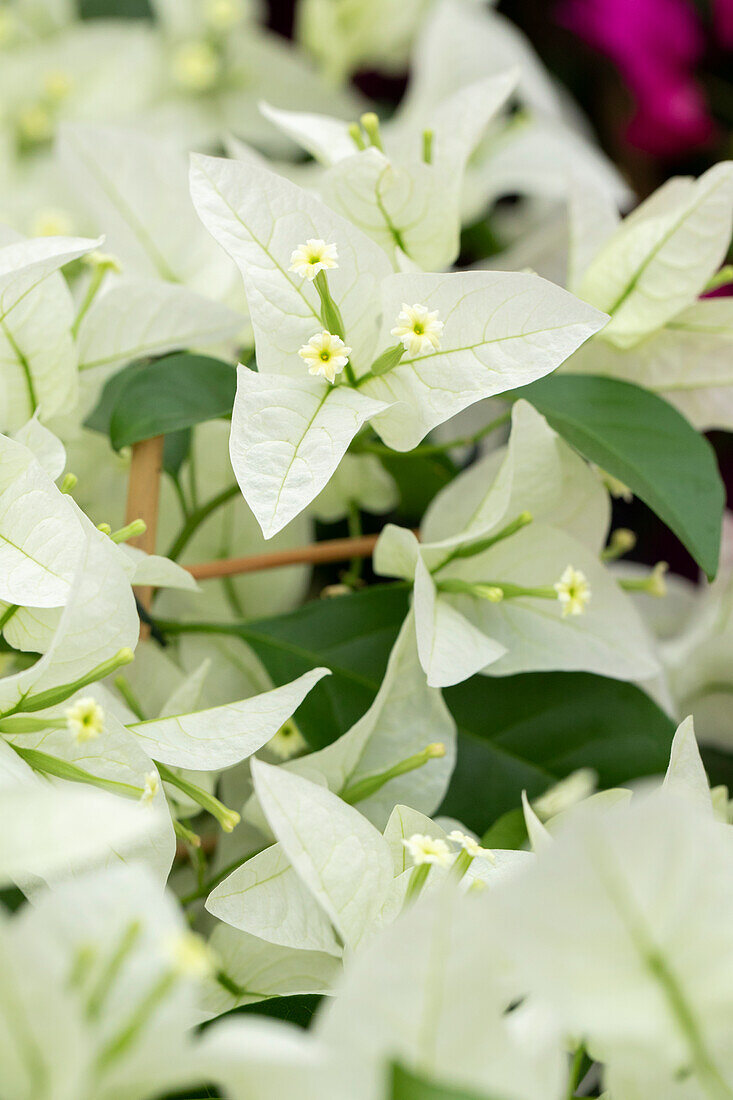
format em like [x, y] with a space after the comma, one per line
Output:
[195, 518]
[352, 576]
[124, 687]
[365, 788]
[57, 695]
[478, 547]
[62, 769]
[95, 282]
[575, 1072]
[227, 818]
[418, 878]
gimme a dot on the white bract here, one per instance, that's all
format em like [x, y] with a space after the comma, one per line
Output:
[507, 576]
[257, 788]
[504, 331]
[649, 273]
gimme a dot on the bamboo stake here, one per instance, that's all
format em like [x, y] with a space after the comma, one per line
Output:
[143, 492]
[317, 553]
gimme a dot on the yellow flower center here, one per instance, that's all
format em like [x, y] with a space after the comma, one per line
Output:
[325, 355]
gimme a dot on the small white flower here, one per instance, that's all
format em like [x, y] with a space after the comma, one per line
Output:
[191, 956]
[196, 66]
[152, 784]
[325, 354]
[418, 328]
[428, 849]
[573, 591]
[288, 741]
[313, 256]
[85, 719]
[471, 846]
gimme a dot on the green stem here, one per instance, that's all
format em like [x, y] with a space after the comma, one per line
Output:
[353, 575]
[478, 547]
[418, 878]
[575, 1071]
[57, 695]
[188, 836]
[462, 862]
[125, 689]
[192, 483]
[197, 517]
[427, 146]
[95, 283]
[183, 503]
[62, 769]
[365, 788]
[227, 818]
[494, 591]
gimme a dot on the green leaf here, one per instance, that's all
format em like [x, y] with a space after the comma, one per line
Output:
[171, 394]
[526, 732]
[641, 439]
[419, 478]
[508, 831]
[406, 1086]
[297, 1009]
[176, 449]
[515, 732]
[351, 635]
[118, 9]
[99, 418]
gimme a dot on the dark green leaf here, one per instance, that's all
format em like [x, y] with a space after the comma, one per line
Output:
[528, 731]
[509, 831]
[352, 635]
[175, 450]
[297, 1009]
[515, 732]
[99, 418]
[171, 394]
[116, 9]
[406, 1086]
[419, 478]
[641, 439]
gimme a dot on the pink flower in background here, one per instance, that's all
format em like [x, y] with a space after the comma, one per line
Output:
[655, 44]
[723, 15]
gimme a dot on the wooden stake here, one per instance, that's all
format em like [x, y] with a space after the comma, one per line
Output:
[316, 554]
[143, 492]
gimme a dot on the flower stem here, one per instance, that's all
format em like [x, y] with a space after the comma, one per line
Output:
[227, 818]
[197, 517]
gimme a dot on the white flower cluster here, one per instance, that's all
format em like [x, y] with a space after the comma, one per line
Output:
[432, 800]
